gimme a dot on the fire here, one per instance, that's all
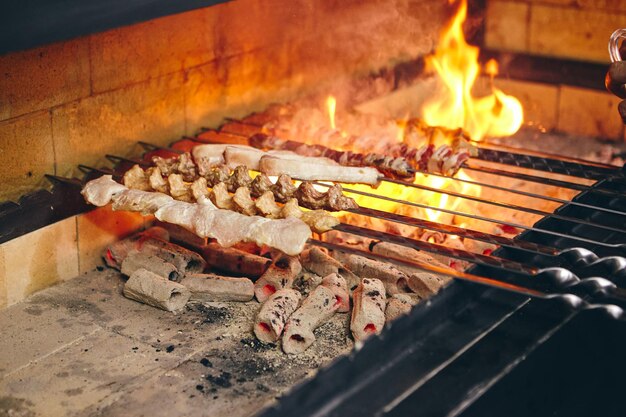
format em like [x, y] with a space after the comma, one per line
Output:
[331, 105]
[456, 63]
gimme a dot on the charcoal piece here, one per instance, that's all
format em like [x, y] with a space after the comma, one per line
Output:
[274, 313]
[368, 311]
[149, 288]
[280, 274]
[212, 287]
[140, 260]
[316, 309]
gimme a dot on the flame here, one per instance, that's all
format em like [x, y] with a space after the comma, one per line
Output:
[456, 63]
[331, 105]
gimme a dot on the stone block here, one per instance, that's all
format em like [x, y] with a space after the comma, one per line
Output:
[39, 259]
[580, 34]
[506, 25]
[204, 98]
[43, 77]
[94, 369]
[151, 49]
[37, 327]
[85, 131]
[590, 113]
[28, 154]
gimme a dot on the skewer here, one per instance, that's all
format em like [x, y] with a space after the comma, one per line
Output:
[546, 162]
[508, 206]
[466, 233]
[491, 145]
[618, 247]
[524, 193]
[526, 177]
[432, 268]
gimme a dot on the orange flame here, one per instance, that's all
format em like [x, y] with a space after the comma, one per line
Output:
[331, 105]
[456, 63]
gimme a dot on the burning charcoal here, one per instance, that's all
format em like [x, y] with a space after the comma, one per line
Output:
[479, 247]
[149, 288]
[422, 282]
[212, 287]
[185, 260]
[319, 262]
[184, 237]
[220, 197]
[402, 252]
[368, 311]
[243, 201]
[235, 261]
[115, 254]
[139, 260]
[307, 282]
[280, 274]
[337, 284]
[270, 321]
[316, 309]
[398, 305]
[392, 277]
[137, 179]
[426, 283]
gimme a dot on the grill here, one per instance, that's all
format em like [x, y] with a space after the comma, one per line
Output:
[559, 277]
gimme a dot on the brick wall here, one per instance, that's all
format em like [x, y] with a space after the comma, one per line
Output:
[575, 29]
[75, 101]
[569, 29]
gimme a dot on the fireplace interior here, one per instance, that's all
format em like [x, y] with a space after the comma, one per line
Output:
[507, 262]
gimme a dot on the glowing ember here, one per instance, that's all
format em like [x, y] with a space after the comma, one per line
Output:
[456, 63]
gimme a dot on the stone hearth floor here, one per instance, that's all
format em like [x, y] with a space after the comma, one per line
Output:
[81, 349]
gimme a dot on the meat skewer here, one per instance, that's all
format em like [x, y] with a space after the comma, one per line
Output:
[319, 220]
[394, 167]
[283, 189]
[445, 159]
[203, 218]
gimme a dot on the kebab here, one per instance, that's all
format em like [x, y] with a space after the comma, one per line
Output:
[203, 218]
[283, 189]
[444, 159]
[319, 220]
[394, 167]
[275, 162]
